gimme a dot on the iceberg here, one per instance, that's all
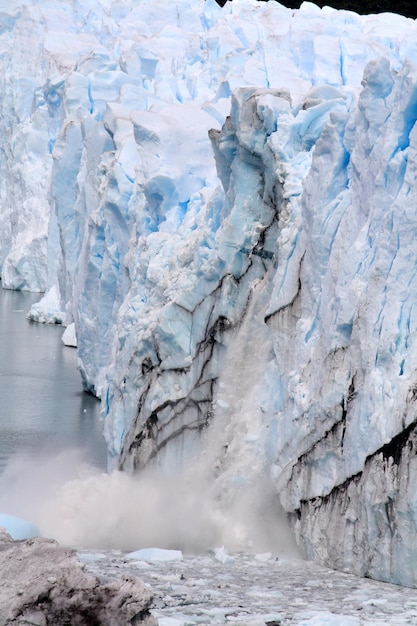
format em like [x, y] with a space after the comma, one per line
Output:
[155, 555]
[17, 527]
[221, 203]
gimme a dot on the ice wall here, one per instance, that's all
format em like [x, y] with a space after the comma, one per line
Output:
[242, 287]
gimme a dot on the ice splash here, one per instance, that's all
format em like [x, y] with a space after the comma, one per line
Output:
[79, 505]
[116, 510]
[223, 497]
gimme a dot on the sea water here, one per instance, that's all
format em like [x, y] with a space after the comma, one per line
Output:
[43, 408]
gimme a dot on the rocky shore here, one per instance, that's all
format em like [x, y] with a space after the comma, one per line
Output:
[43, 583]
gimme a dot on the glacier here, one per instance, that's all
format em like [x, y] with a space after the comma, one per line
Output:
[220, 203]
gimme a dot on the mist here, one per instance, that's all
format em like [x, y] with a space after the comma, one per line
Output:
[79, 505]
[223, 497]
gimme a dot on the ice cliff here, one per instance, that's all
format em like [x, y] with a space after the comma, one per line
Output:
[223, 202]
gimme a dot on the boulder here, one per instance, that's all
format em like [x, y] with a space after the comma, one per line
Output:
[43, 583]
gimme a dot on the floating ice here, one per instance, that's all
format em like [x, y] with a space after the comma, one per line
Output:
[18, 528]
[325, 618]
[263, 557]
[47, 310]
[222, 555]
[69, 337]
[173, 621]
[155, 554]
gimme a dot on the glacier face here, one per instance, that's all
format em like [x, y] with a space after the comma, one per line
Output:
[242, 286]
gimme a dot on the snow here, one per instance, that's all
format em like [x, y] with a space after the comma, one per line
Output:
[220, 205]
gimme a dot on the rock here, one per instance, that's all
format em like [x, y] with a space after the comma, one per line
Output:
[42, 584]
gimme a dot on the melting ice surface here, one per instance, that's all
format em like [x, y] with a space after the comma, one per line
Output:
[223, 202]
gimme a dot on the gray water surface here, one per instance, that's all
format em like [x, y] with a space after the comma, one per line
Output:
[43, 408]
